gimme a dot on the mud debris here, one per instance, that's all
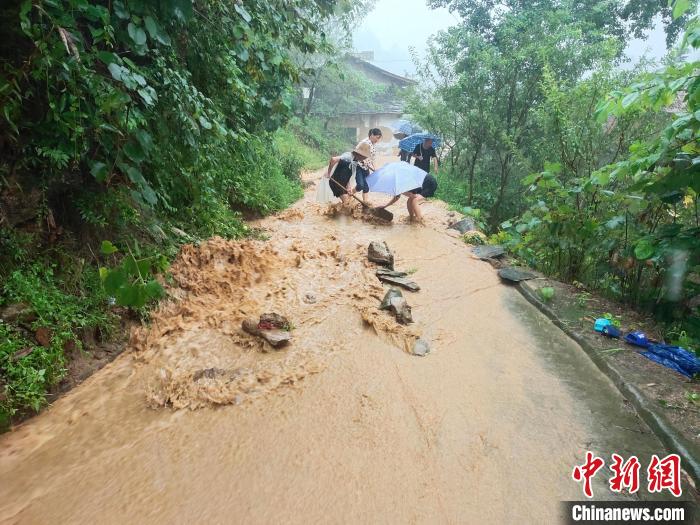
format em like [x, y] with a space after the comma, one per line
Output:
[209, 373]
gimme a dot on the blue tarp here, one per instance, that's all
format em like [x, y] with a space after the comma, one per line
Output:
[675, 358]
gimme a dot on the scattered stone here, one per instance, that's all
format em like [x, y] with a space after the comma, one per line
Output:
[401, 310]
[275, 321]
[308, 184]
[19, 354]
[310, 298]
[489, 252]
[515, 275]
[43, 336]
[421, 348]
[18, 312]
[390, 294]
[396, 303]
[390, 273]
[399, 281]
[273, 328]
[463, 226]
[379, 252]
[209, 373]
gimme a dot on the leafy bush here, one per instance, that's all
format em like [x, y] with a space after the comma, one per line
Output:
[27, 369]
[546, 293]
[132, 282]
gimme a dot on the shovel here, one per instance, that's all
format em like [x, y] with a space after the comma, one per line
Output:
[379, 213]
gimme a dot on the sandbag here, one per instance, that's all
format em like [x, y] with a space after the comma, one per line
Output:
[324, 195]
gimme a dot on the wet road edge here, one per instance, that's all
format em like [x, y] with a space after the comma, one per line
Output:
[645, 407]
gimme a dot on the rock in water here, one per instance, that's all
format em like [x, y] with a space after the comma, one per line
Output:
[515, 275]
[399, 281]
[463, 226]
[421, 348]
[396, 303]
[267, 330]
[489, 252]
[379, 252]
[402, 310]
[390, 294]
[390, 273]
[275, 320]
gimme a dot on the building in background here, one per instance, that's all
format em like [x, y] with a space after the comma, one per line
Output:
[383, 112]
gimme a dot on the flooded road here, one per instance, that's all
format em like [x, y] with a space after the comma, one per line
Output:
[197, 425]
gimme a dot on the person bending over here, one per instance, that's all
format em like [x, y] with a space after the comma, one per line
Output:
[416, 197]
[346, 166]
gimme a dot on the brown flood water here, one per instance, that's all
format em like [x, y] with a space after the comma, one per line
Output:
[343, 425]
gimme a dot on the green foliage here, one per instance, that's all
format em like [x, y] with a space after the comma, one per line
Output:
[296, 155]
[546, 293]
[597, 168]
[615, 320]
[132, 283]
[28, 370]
[156, 97]
[148, 123]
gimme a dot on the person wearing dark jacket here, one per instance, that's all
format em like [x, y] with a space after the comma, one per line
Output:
[346, 166]
[422, 155]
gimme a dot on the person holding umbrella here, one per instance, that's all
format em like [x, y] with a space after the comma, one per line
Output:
[416, 197]
[422, 154]
[400, 178]
[404, 130]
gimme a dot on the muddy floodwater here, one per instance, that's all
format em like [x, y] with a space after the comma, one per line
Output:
[195, 424]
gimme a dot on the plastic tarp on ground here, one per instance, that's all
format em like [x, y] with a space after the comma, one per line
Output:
[675, 358]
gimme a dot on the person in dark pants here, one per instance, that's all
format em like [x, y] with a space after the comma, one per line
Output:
[422, 155]
[347, 165]
[365, 167]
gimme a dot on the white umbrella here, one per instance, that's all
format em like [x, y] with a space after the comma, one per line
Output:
[396, 178]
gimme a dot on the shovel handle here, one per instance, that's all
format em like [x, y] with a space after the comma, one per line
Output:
[364, 204]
